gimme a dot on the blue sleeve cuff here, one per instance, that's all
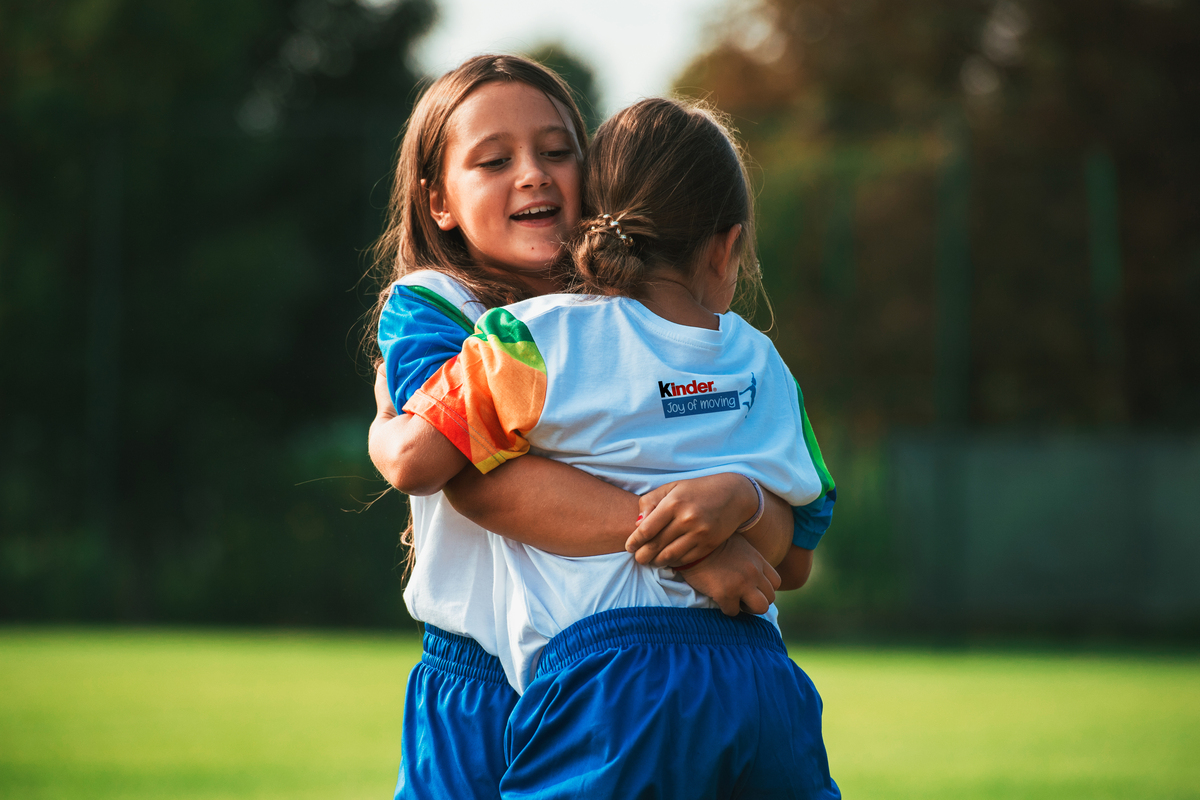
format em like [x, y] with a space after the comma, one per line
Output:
[416, 338]
[811, 521]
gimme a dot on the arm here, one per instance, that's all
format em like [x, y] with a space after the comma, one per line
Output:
[571, 502]
[786, 536]
[414, 456]
[668, 533]
[795, 568]
[739, 573]
[533, 500]
[482, 401]
[556, 507]
[547, 504]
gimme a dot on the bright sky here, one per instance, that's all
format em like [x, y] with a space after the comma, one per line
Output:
[637, 47]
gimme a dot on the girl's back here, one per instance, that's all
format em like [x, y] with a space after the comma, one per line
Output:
[608, 386]
[632, 686]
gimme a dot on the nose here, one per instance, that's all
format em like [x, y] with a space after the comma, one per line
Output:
[531, 175]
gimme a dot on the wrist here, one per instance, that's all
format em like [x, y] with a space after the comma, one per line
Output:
[760, 506]
[704, 559]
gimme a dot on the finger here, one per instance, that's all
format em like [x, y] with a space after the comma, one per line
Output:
[767, 590]
[754, 602]
[644, 555]
[652, 551]
[650, 499]
[773, 576]
[648, 524]
[644, 546]
[655, 530]
[730, 606]
[684, 550]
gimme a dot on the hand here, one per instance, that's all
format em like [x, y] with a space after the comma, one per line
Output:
[736, 576]
[684, 521]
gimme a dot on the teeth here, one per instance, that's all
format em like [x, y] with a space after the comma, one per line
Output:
[534, 210]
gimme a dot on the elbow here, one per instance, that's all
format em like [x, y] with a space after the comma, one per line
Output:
[402, 468]
[795, 568]
[414, 482]
[413, 474]
[788, 583]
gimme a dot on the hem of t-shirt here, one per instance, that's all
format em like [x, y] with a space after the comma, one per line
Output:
[806, 540]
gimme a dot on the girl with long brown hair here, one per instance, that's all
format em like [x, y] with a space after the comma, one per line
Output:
[633, 684]
[486, 191]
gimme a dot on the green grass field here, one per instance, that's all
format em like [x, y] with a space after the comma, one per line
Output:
[183, 714]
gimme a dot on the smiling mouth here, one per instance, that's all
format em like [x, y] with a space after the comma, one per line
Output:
[535, 213]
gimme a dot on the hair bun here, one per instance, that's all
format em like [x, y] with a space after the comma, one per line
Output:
[605, 256]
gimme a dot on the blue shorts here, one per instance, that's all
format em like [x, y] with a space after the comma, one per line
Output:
[670, 704]
[457, 705]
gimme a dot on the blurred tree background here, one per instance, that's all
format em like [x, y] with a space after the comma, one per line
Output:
[980, 228]
[979, 224]
[188, 190]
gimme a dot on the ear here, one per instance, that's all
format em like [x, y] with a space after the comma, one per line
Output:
[438, 210]
[720, 254]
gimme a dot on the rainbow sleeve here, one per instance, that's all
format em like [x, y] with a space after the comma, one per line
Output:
[488, 397]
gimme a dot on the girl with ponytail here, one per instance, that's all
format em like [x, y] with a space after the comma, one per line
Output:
[634, 684]
[487, 189]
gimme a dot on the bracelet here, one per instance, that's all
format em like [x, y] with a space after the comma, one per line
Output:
[750, 523]
[684, 567]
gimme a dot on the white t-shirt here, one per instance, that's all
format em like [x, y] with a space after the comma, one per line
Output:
[451, 585]
[609, 387]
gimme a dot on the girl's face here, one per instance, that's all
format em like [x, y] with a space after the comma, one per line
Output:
[510, 177]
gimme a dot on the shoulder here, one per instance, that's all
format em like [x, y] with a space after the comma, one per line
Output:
[744, 336]
[551, 305]
[548, 320]
[439, 289]
[546, 311]
[734, 323]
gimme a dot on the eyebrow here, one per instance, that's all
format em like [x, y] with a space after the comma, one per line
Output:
[540, 132]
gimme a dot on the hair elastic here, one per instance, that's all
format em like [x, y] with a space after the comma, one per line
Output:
[613, 226]
[750, 523]
[686, 567]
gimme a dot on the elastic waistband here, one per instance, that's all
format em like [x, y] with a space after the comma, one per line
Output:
[459, 655]
[622, 627]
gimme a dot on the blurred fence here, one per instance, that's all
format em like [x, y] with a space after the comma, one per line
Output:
[1050, 531]
[1055, 533]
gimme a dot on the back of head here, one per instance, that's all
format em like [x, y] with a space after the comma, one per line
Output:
[667, 175]
[411, 239]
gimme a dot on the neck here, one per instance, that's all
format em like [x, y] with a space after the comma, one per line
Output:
[538, 283]
[671, 298]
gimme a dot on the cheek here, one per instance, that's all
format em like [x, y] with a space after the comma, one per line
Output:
[569, 181]
[474, 200]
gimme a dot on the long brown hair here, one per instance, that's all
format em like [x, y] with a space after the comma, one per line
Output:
[672, 174]
[411, 240]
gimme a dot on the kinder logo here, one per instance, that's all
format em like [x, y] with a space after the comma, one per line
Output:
[697, 397]
[680, 389]
[678, 402]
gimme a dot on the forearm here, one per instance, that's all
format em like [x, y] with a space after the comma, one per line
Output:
[795, 568]
[547, 504]
[772, 535]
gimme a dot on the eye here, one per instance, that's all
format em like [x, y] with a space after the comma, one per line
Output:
[558, 155]
[495, 163]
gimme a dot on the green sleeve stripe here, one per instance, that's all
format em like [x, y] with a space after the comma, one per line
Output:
[443, 305]
[814, 449]
[509, 335]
